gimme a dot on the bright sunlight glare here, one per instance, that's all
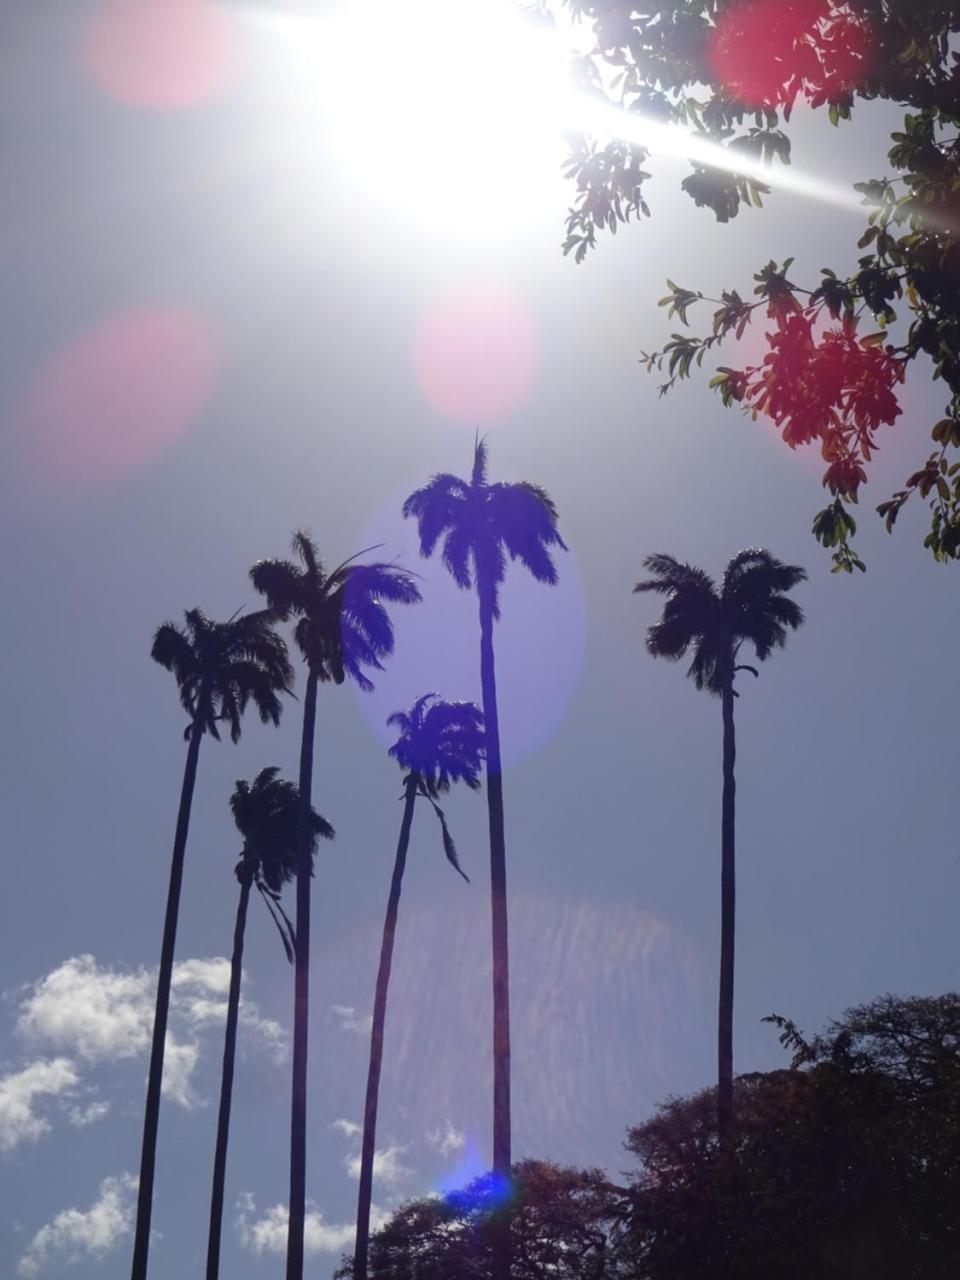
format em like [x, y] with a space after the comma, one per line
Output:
[455, 110]
[447, 109]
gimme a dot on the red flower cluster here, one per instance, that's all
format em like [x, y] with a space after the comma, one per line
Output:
[836, 388]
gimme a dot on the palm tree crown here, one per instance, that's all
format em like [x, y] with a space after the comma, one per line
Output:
[440, 742]
[750, 606]
[481, 524]
[342, 624]
[221, 666]
[265, 814]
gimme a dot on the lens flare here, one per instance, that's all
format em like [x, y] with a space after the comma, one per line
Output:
[610, 1008]
[484, 1191]
[765, 51]
[160, 54]
[470, 1166]
[540, 644]
[476, 354]
[117, 396]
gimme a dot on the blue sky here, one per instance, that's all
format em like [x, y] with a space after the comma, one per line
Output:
[289, 294]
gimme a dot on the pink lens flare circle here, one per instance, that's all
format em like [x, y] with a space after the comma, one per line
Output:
[765, 51]
[160, 54]
[476, 354]
[117, 396]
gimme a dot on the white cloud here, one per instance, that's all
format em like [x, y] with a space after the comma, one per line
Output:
[74, 1235]
[103, 1014]
[200, 990]
[388, 1168]
[448, 1140]
[82, 1116]
[20, 1091]
[348, 1128]
[97, 1013]
[268, 1234]
[179, 1064]
[209, 976]
[350, 1020]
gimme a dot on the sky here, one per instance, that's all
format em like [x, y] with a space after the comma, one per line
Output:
[238, 290]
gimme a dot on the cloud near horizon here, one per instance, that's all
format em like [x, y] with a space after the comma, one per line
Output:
[74, 1235]
[88, 1014]
[268, 1233]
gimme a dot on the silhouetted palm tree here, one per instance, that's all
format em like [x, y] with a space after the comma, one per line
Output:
[750, 607]
[266, 817]
[219, 667]
[440, 743]
[342, 627]
[481, 524]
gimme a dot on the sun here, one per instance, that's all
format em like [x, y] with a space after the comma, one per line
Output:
[450, 111]
[455, 114]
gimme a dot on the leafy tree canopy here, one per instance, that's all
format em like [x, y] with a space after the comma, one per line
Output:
[838, 347]
[845, 1164]
[563, 1224]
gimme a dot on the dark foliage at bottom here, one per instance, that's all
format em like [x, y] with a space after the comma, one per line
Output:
[845, 1166]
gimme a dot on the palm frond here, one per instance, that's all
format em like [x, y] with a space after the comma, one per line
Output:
[374, 581]
[449, 848]
[320, 828]
[671, 575]
[436, 507]
[281, 584]
[285, 929]
[524, 519]
[669, 638]
[440, 743]
[754, 574]
[749, 607]
[306, 549]
[480, 524]
[478, 476]
[710, 659]
[458, 547]
[172, 649]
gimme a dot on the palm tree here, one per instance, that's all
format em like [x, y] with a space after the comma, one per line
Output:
[266, 817]
[342, 628]
[440, 743]
[219, 667]
[481, 524]
[750, 607]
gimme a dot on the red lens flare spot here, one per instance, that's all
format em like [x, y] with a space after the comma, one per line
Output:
[116, 397]
[767, 52]
[476, 354]
[160, 54]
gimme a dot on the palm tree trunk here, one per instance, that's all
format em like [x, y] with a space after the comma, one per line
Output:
[368, 1147]
[498, 905]
[148, 1153]
[301, 999]
[226, 1081]
[727, 921]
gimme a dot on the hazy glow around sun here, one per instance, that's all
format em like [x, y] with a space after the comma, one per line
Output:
[453, 112]
[449, 109]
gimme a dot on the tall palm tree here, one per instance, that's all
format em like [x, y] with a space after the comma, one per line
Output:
[266, 816]
[440, 743]
[219, 667]
[342, 629]
[481, 524]
[750, 607]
